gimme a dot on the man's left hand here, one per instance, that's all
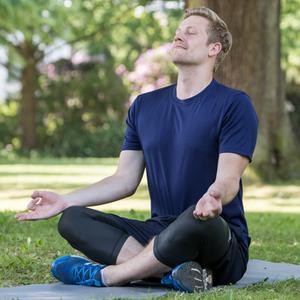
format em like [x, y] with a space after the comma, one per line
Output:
[209, 206]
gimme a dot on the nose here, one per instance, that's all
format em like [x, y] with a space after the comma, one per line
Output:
[178, 37]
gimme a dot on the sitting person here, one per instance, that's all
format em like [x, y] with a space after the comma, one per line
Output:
[195, 139]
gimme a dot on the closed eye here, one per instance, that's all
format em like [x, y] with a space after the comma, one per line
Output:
[191, 31]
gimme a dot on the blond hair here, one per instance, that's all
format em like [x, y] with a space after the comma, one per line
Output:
[217, 30]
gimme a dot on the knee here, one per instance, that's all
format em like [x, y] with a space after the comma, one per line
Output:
[195, 226]
[68, 221]
[171, 248]
[183, 238]
[184, 230]
[176, 243]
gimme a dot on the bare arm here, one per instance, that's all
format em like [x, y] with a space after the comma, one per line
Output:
[230, 169]
[123, 183]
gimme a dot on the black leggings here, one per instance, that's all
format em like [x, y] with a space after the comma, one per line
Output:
[100, 236]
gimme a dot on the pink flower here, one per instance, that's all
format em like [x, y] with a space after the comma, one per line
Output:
[121, 70]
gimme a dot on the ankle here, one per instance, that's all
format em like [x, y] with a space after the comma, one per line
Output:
[105, 277]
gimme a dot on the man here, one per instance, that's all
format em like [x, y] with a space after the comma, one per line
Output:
[195, 139]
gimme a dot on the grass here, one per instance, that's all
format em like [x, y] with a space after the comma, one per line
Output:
[19, 178]
[28, 248]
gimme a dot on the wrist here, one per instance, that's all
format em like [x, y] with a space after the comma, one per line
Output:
[66, 203]
[217, 190]
[226, 188]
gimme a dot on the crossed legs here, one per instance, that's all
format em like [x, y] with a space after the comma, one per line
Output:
[142, 265]
[99, 238]
[129, 250]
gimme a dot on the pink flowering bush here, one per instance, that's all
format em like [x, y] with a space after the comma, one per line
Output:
[152, 70]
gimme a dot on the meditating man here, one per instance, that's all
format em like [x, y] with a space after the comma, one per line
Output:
[194, 139]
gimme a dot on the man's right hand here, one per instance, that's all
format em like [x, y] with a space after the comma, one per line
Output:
[43, 205]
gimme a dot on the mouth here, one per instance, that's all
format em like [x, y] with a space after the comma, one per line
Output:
[179, 46]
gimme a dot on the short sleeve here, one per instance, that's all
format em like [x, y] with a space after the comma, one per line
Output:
[239, 127]
[131, 139]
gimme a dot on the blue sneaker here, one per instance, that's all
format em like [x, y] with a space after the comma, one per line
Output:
[189, 277]
[77, 270]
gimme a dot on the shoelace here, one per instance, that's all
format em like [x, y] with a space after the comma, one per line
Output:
[86, 272]
[167, 279]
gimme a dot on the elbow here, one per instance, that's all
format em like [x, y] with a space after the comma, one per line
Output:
[129, 191]
[127, 184]
[129, 188]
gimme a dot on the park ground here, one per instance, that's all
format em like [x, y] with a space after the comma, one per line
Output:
[27, 248]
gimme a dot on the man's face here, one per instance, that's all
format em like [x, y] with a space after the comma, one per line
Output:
[190, 42]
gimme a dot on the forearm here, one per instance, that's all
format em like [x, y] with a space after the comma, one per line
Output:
[109, 189]
[230, 169]
[227, 187]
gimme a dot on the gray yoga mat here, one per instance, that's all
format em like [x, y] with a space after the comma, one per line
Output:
[258, 271]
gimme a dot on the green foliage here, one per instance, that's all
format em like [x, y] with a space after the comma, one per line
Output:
[293, 96]
[290, 29]
[151, 30]
[82, 109]
[8, 125]
[81, 112]
[32, 25]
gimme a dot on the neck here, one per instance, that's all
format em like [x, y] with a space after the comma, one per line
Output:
[192, 80]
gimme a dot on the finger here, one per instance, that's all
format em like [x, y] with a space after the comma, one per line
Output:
[38, 194]
[20, 216]
[26, 216]
[197, 211]
[35, 194]
[32, 204]
[200, 215]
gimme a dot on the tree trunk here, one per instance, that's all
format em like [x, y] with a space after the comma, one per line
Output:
[28, 100]
[253, 65]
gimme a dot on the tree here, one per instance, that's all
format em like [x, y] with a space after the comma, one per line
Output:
[28, 29]
[253, 65]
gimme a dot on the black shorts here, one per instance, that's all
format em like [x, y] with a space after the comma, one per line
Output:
[231, 266]
[86, 228]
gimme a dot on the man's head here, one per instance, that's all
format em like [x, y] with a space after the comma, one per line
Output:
[201, 37]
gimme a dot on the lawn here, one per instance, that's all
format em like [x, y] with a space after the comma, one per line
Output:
[28, 248]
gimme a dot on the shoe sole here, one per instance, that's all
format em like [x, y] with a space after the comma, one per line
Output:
[193, 278]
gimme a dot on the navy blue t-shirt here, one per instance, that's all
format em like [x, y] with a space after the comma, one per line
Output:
[181, 141]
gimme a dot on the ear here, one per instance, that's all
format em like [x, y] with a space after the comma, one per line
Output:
[214, 49]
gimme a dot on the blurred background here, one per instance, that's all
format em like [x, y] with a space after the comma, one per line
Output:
[69, 70]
